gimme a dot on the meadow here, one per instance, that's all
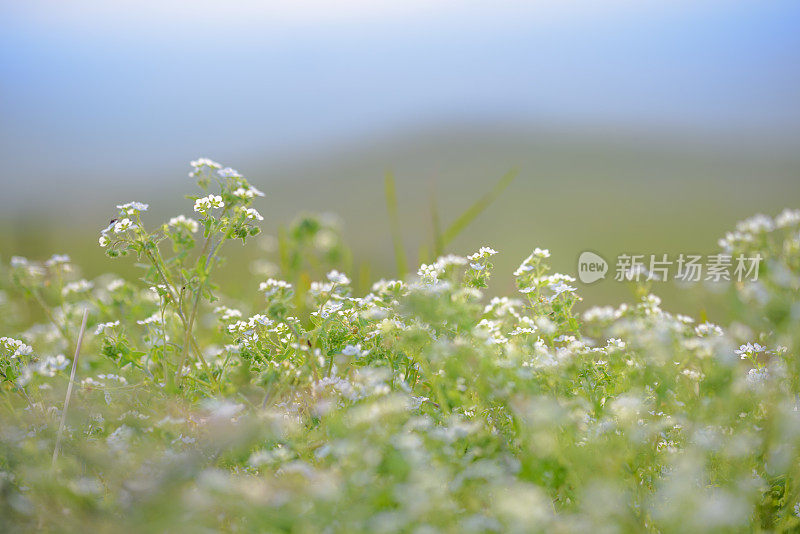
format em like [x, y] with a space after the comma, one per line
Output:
[321, 400]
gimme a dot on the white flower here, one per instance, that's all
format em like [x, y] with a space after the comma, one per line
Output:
[15, 347]
[206, 204]
[787, 218]
[102, 327]
[338, 278]
[104, 240]
[541, 253]
[707, 329]
[756, 224]
[57, 259]
[560, 287]
[272, 286]
[750, 349]
[181, 221]
[247, 193]
[251, 213]
[355, 350]
[51, 364]
[132, 208]
[226, 314]
[124, 225]
[483, 253]
[200, 164]
[81, 286]
[19, 261]
[227, 172]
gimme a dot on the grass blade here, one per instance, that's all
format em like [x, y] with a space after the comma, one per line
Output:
[391, 208]
[69, 386]
[473, 211]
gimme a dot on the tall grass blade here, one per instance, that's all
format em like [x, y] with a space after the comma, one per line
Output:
[391, 208]
[69, 386]
[476, 209]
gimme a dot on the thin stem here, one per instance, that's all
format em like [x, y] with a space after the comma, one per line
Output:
[69, 386]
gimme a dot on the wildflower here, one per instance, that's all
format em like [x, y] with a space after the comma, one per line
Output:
[338, 278]
[560, 287]
[707, 329]
[206, 204]
[200, 164]
[483, 253]
[101, 328]
[226, 314]
[80, 286]
[57, 259]
[124, 225]
[52, 364]
[272, 286]
[104, 241]
[756, 224]
[246, 193]
[19, 261]
[251, 213]
[749, 349]
[354, 350]
[132, 208]
[787, 218]
[15, 347]
[187, 223]
[227, 172]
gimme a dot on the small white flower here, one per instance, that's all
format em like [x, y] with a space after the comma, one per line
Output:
[124, 225]
[80, 286]
[354, 350]
[560, 287]
[52, 364]
[57, 259]
[181, 221]
[247, 193]
[483, 253]
[101, 328]
[787, 218]
[132, 208]
[201, 164]
[749, 349]
[252, 214]
[104, 241]
[15, 347]
[272, 286]
[19, 261]
[338, 278]
[541, 253]
[227, 172]
[206, 204]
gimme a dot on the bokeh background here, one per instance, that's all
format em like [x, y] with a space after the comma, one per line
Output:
[638, 127]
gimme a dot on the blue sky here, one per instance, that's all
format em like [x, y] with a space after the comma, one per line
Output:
[93, 87]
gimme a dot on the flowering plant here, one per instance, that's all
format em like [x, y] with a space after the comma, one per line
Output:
[421, 405]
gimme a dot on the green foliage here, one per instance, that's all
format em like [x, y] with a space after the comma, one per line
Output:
[419, 406]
